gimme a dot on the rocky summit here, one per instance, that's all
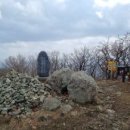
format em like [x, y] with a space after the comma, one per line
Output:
[20, 94]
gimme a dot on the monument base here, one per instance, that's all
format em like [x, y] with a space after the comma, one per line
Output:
[42, 79]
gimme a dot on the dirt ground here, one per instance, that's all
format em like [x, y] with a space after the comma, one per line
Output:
[111, 112]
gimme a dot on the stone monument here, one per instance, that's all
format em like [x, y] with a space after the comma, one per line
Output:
[43, 65]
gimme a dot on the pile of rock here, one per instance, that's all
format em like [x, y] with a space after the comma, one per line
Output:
[20, 94]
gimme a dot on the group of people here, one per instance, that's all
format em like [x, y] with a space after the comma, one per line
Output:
[122, 72]
[125, 75]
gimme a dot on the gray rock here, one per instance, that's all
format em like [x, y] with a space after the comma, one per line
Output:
[51, 103]
[15, 113]
[42, 118]
[82, 88]
[4, 111]
[111, 113]
[8, 81]
[42, 98]
[74, 113]
[66, 108]
[100, 109]
[118, 94]
[60, 79]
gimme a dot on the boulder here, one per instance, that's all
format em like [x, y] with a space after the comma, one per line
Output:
[59, 80]
[82, 88]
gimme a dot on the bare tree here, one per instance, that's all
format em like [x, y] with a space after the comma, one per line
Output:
[21, 64]
[93, 66]
[55, 61]
[65, 61]
[18, 63]
[32, 66]
[79, 59]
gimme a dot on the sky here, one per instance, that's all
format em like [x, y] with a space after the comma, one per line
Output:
[29, 26]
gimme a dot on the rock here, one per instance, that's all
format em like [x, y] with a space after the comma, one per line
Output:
[100, 90]
[82, 88]
[51, 103]
[108, 98]
[15, 113]
[42, 98]
[100, 109]
[20, 93]
[70, 102]
[66, 108]
[60, 79]
[118, 94]
[74, 113]
[4, 111]
[111, 113]
[8, 81]
[42, 118]
[98, 101]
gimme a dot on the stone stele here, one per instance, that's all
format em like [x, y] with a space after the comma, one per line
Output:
[43, 64]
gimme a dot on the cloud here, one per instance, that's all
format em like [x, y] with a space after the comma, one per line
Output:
[0, 15]
[99, 14]
[29, 26]
[110, 3]
[33, 48]
[43, 20]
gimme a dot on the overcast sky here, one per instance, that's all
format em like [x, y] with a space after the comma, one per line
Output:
[29, 26]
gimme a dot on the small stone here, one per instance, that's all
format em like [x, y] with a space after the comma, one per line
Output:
[111, 113]
[99, 108]
[15, 113]
[48, 86]
[70, 102]
[115, 128]
[74, 113]
[118, 94]
[8, 81]
[51, 103]
[108, 98]
[66, 108]
[42, 98]
[64, 124]
[12, 102]
[43, 118]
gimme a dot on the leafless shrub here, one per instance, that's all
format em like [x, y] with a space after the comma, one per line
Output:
[21, 64]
